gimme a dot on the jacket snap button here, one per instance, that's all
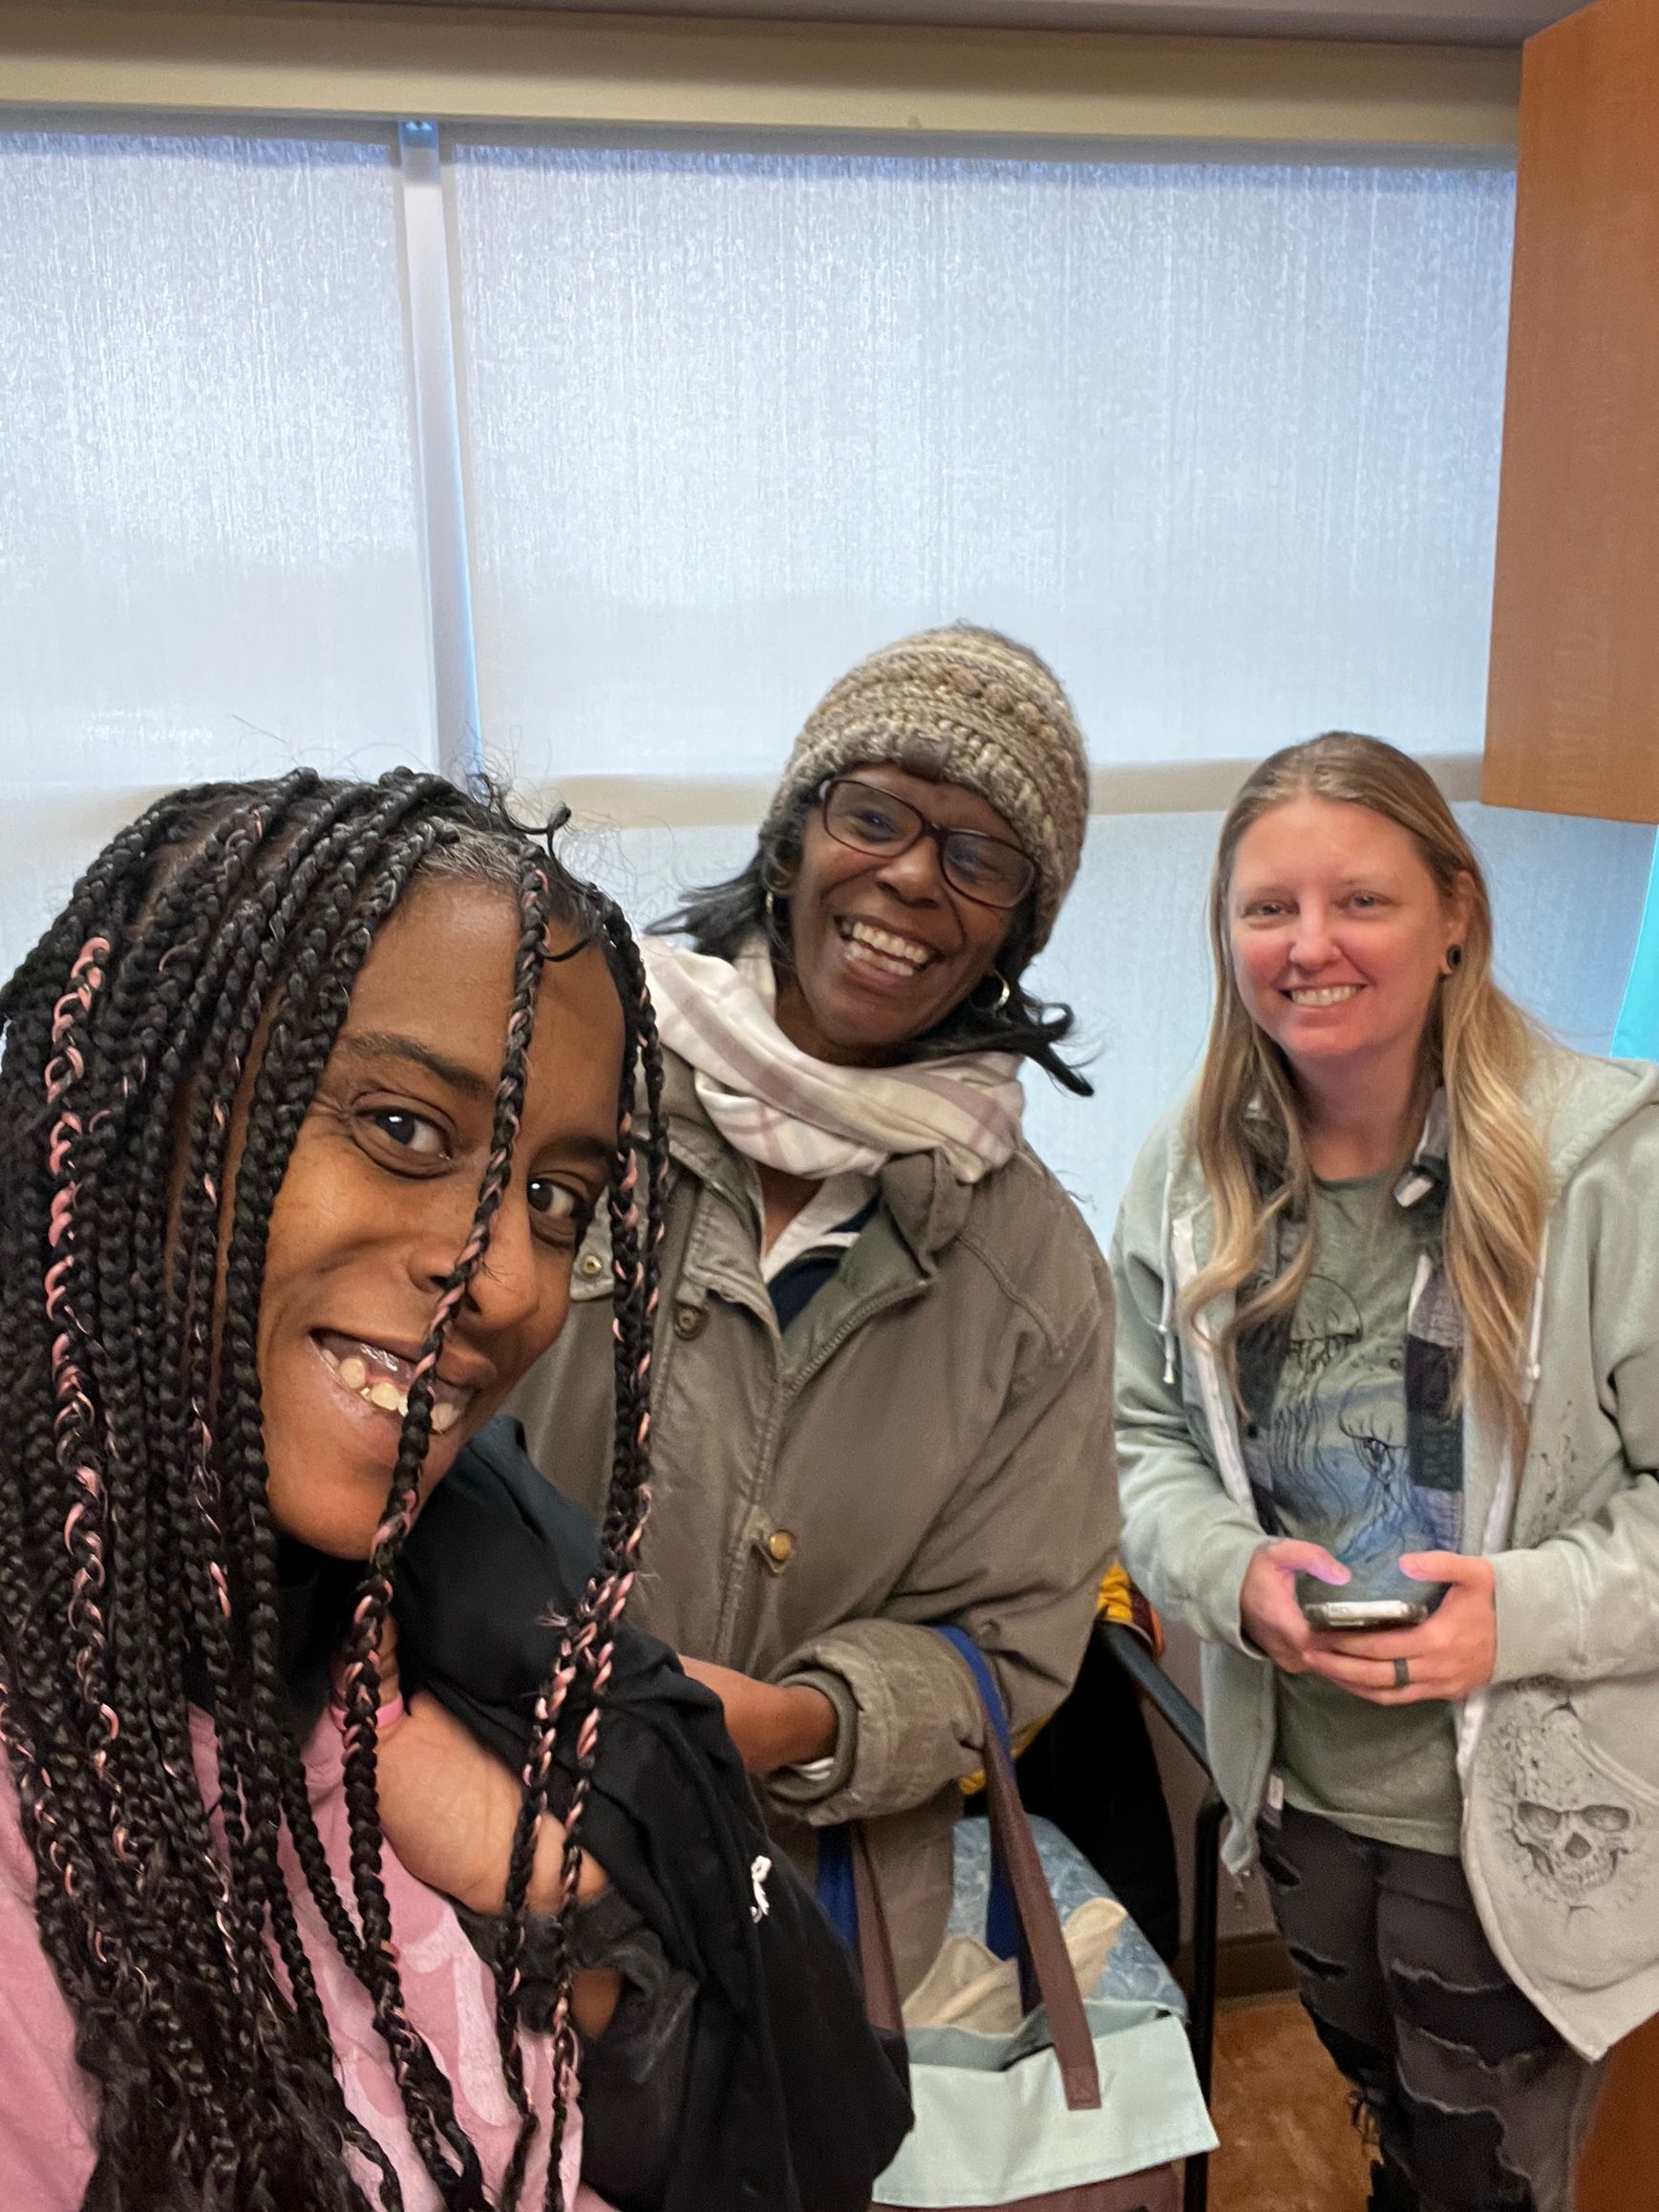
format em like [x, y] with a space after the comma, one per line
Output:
[780, 1547]
[590, 1265]
[691, 1321]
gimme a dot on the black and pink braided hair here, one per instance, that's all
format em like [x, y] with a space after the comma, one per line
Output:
[208, 955]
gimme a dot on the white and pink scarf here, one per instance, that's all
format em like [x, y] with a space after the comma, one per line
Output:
[776, 1104]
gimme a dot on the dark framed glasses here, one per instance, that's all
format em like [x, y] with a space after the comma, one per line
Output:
[988, 870]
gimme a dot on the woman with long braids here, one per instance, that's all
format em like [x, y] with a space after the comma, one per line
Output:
[883, 1398]
[305, 1104]
[1389, 1423]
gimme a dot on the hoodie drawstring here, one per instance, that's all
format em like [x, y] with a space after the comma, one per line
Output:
[1166, 1313]
[1534, 1368]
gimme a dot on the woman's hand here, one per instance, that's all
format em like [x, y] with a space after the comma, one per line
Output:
[448, 1807]
[1267, 1607]
[1448, 1655]
[773, 1725]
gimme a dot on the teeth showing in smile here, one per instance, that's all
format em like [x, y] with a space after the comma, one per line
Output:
[380, 1380]
[884, 950]
[1335, 994]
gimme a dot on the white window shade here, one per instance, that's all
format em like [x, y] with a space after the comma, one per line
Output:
[210, 558]
[1221, 440]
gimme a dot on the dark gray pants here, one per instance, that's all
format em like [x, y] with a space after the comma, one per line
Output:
[1477, 2104]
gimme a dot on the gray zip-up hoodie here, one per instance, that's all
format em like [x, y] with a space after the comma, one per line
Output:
[1559, 1755]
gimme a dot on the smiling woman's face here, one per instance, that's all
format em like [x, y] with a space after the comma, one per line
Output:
[380, 1192]
[1339, 934]
[883, 947]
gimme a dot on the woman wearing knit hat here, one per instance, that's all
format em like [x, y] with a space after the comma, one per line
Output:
[883, 1400]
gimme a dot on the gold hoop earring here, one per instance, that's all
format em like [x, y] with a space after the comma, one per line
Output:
[1003, 995]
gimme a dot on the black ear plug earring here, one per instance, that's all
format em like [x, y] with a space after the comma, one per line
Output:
[776, 891]
[1454, 958]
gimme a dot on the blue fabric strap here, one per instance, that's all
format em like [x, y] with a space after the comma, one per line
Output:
[835, 1885]
[1002, 1921]
[835, 1851]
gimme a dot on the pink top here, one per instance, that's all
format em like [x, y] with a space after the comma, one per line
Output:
[47, 2106]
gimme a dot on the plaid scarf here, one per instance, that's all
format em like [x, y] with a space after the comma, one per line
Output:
[776, 1104]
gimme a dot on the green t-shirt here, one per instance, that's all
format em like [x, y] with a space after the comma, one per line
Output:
[1334, 1450]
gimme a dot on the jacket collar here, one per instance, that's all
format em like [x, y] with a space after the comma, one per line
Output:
[928, 1205]
[1426, 1170]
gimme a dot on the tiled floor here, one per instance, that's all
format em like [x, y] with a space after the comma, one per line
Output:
[1281, 2110]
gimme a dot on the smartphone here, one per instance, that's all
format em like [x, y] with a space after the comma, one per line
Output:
[1367, 1612]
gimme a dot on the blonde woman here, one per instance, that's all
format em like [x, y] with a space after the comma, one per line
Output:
[1388, 1342]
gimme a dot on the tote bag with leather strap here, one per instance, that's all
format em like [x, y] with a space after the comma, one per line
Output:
[1071, 2109]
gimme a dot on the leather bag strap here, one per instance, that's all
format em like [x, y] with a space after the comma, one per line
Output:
[1056, 1977]
[875, 1943]
[1016, 1847]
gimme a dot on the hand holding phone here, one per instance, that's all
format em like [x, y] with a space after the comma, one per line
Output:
[1272, 1620]
[1446, 1656]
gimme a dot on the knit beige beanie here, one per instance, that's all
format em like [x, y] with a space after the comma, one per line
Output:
[965, 706]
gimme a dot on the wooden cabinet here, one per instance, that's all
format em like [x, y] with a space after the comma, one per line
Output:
[1573, 716]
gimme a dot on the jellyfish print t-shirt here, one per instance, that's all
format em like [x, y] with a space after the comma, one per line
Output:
[1337, 1456]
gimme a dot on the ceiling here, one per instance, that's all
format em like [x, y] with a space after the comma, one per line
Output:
[1442, 22]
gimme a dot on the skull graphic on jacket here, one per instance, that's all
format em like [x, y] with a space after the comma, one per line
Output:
[1563, 1817]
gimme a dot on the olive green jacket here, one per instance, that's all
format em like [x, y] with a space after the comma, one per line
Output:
[930, 1440]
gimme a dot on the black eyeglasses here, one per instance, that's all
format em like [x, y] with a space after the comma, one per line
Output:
[988, 870]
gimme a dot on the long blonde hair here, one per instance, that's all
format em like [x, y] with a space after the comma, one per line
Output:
[1477, 1043]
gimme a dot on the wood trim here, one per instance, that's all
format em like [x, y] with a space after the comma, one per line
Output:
[919, 87]
[1247, 1968]
[1616, 2172]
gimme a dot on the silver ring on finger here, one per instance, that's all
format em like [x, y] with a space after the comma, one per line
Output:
[1402, 1673]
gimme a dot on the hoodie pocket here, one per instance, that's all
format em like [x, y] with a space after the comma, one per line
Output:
[1566, 1836]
